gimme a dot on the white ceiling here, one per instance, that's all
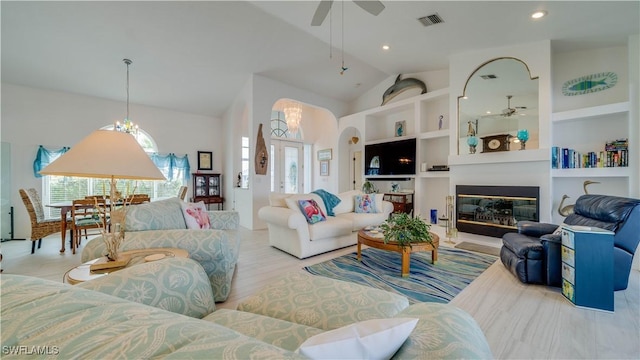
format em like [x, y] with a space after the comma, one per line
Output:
[196, 56]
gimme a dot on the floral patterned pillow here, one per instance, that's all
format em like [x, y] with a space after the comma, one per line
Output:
[311, 211]
[195, 215]
[365, 204]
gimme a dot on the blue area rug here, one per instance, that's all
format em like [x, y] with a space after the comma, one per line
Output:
[454, 270]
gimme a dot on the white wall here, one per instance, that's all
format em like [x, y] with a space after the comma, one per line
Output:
[236, 125]
[253, 107]
[434, 80]
[32, 117]
[537, 56]
[634, 113]
[565, 68]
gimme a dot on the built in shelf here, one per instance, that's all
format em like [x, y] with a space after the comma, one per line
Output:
[405, 104]
[592, 172]
[500, 157]
[389, 177]
[391, 139]
[591, 112]
[434, 174]
[444, 133]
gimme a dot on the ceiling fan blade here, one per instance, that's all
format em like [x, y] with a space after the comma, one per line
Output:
[372, 7]
[321, 12]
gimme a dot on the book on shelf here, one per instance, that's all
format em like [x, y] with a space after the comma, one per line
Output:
[615, 154]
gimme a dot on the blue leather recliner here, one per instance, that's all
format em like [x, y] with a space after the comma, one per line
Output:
[533, 253]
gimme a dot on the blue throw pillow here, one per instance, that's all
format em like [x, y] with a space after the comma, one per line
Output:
[311, 210]
[330, 200]
[365, 204]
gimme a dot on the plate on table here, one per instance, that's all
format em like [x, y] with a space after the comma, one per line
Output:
[154, 257]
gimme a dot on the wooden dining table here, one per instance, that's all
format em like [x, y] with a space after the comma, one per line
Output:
[65, 209]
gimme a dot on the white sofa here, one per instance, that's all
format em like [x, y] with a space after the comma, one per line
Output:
[289, 230]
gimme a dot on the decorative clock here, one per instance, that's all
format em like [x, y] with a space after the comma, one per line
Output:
[495, 143]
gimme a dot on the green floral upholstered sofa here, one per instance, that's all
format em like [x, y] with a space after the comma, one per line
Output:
[165, 309]
[161, 224]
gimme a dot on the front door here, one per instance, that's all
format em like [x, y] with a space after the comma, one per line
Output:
[286, 167]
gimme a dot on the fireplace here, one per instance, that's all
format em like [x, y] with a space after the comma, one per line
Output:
[495, 210]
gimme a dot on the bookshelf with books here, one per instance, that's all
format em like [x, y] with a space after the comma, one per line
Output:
[594, 137]
[614, 154]
[598, 140]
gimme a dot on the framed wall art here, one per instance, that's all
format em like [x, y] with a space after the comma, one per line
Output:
[325, 154]
[205, 160]
[324, 168]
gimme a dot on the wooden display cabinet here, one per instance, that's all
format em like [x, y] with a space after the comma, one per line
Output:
[402, 202]
[208, 188]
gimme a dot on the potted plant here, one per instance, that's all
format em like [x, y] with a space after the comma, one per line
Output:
[368, 187]
[405, 230]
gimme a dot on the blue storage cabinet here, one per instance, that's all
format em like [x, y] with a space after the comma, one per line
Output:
[587, 266]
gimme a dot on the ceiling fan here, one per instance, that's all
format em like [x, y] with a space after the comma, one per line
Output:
[372, 7]
[508, 112]
[511, 110]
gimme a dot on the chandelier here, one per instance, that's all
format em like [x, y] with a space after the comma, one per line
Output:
[292, 115]
[127, 125]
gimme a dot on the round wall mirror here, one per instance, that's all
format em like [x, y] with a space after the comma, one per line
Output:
[498, 110]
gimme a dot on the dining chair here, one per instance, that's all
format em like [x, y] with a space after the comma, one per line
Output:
[40, 227]
[96, 196]
[134, 199]
[85, 215]
[182, 193]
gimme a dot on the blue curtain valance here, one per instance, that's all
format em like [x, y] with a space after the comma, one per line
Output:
[45, 157]
[171, 163]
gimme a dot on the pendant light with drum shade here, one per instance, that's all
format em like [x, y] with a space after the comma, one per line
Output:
[108, 154]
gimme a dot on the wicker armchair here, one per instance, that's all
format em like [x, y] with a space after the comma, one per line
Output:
[40, 227]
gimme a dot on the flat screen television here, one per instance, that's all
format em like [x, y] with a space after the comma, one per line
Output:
[390, 158]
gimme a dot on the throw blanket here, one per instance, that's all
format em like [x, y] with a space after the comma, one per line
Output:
[330, 200]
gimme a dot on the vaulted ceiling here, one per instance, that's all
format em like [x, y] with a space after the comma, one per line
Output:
[196, 56]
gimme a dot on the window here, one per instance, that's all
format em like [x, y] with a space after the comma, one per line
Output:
[279, 127]
[244, 176]
[286, 164]
[64, 188]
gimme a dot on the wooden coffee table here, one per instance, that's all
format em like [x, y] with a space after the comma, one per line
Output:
[376, 240]
[83, 272]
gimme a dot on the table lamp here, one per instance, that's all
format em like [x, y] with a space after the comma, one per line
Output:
[107, 154]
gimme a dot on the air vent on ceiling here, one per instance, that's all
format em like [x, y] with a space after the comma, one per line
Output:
[488, 77]
[432, 19]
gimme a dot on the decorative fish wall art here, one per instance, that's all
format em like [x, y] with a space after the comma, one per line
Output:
[402, 85]
[589, 84]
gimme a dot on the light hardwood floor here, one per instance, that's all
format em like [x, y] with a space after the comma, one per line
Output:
[520, 321]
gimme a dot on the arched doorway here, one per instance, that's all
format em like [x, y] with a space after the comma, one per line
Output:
[287, 156]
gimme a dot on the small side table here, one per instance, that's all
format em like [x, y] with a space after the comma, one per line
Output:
[83, 273]
[587, 267]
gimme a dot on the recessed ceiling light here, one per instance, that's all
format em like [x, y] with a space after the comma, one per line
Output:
[465, 97]
[385, 47]
[488, 112]
[538, 14]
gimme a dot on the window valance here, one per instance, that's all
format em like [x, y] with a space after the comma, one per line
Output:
[171, 165]
[45, 157]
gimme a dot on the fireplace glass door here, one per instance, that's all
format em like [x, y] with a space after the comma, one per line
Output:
[494, 215]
